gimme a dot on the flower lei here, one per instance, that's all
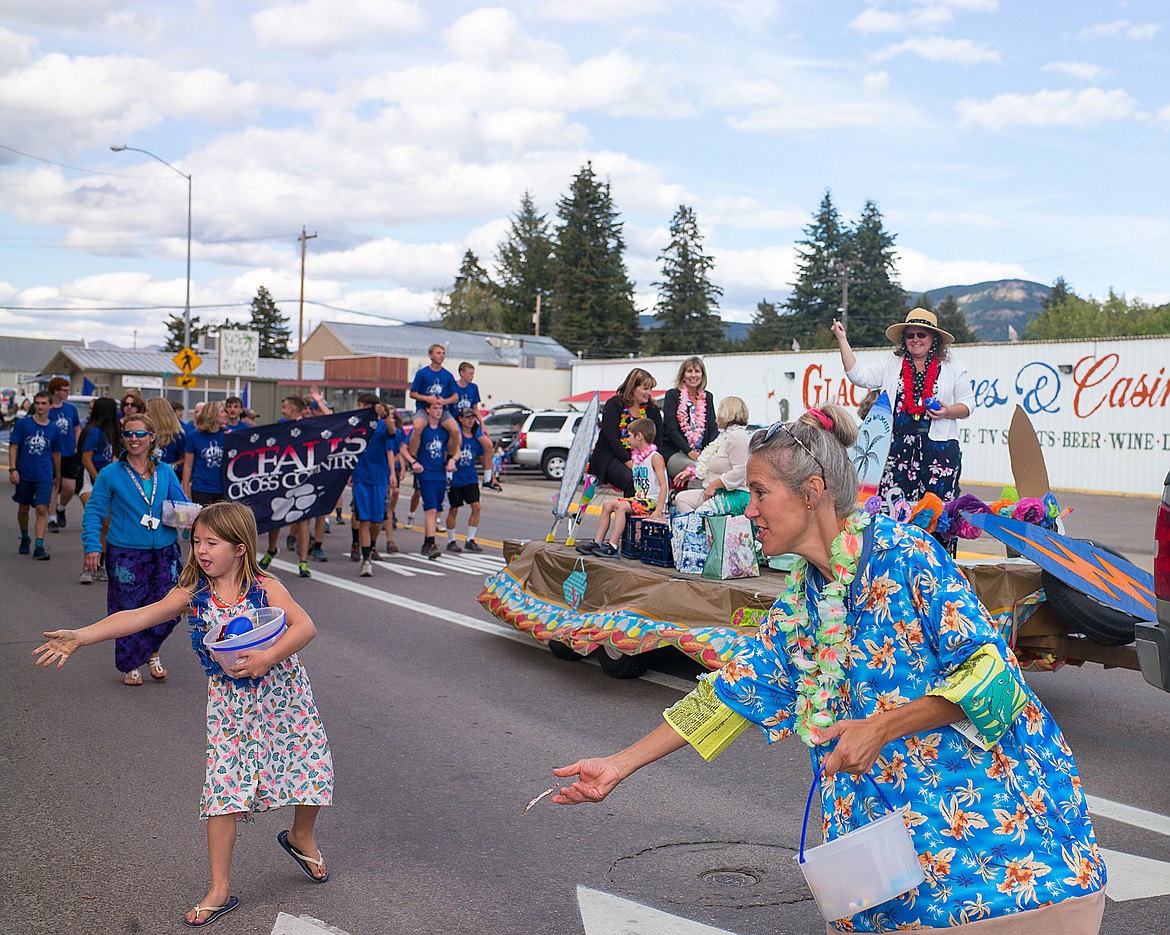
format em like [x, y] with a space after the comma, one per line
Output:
[692, 417]
[624, 424]
[645, 455]
[918, 387]
[705, 456]
[820, 656]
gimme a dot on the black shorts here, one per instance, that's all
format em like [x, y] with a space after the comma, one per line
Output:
[70, 467]
[458, 496]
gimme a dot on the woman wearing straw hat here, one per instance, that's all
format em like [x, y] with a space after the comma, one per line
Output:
[929, 391]
[881, 660]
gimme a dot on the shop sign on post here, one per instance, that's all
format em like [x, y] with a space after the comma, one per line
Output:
[239, 352]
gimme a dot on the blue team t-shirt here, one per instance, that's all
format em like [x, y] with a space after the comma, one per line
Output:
[429, 382]
[468, 399]
[35, 447]
[172, 452]
[432, 451]
[68, 421]
[207, 469]
[373, 467]
[465, 474]
[95, 441]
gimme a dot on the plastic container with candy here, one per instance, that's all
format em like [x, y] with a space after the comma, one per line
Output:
[254, 628]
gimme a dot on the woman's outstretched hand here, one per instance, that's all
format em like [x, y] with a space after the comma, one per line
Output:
[838, 329]
[596, 778]
[60, 647]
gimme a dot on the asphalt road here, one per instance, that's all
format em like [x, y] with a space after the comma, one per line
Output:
[443, 725]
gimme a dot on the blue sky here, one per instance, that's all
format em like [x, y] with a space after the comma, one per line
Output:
[998, 140]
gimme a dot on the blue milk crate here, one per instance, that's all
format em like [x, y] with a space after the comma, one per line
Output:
[655, 542]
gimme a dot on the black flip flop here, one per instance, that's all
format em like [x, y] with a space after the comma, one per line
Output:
[216, 912]
[306, 863]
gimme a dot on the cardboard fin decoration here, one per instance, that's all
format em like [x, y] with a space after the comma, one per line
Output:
[1110, 580]
[1027, 457]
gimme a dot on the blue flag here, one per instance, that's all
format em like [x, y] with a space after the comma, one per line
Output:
[292, 471]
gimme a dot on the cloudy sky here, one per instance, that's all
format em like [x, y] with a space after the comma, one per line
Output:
[999, 139]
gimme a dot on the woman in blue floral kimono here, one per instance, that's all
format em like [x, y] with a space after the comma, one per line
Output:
[880, 658]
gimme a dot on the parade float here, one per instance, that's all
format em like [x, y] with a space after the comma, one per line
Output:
[1057, 600]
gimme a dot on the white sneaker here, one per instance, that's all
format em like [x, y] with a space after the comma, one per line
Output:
[367, 568]
[86, 577]
[409, 519]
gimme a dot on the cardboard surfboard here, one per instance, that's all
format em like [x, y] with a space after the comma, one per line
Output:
[1106, 578]
[872, 447]
[575, 461]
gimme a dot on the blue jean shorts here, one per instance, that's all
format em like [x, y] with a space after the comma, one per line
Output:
[369, 502]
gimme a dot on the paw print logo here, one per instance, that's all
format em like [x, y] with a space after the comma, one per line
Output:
[254, 437]
[295, 433]
[233, 452]
[326, 434]
[354, 420]
[298, 502]
[269, 442]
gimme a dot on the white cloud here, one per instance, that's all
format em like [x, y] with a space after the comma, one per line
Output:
[601, 11]
[939, 49]
[925, 16]
[321, 27]
[15, 50]
[747, 213]
[765, 106]
[875, 82]
[1088, 108]
[918, 272]
[1120, 28]
[1082, 71]
[963, 219]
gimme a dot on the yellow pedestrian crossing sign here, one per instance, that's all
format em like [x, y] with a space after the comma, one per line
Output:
[187, 361]
[185, 381]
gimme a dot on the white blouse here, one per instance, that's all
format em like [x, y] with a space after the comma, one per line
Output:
[953, 386]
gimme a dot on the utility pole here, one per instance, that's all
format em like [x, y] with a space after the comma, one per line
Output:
[536, 317]
[304, 239]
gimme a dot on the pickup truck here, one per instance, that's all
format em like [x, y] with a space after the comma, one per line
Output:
[1152, 640]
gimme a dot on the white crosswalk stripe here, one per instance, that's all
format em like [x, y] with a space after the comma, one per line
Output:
[460, 563]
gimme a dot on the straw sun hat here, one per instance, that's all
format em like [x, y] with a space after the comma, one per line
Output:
[923, 317]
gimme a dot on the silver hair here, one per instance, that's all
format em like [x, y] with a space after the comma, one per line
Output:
[798, 451]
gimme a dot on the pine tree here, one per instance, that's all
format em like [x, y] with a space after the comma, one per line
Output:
[876, 300]
[525, 270]
[593, 299]
[471, 304]
[270, 324]
[1060, 292]
[951, 318]
[175, 329]
[770, 331]
[816, 294]
[686, 312]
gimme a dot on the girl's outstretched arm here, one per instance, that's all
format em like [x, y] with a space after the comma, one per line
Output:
[299, 634]
[62, 643]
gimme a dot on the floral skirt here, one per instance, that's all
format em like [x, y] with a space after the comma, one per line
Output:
[139, 577]
[918, 466]
[266, 746]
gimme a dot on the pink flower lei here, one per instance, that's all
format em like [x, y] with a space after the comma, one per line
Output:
[820, 655]
[692, 417]
[645, 455]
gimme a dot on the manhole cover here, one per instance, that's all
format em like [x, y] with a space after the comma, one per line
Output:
[730, 874]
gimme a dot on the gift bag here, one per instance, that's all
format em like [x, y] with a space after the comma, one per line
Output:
[179, 514]
[732, 551]
[574, 586]
[688, 542]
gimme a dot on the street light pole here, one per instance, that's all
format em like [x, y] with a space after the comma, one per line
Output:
[187, 304]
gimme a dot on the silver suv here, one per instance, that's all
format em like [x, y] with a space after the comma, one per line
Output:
[545, 438]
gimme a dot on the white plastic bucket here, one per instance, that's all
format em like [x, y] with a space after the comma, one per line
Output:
[267, 627]
[862, 869]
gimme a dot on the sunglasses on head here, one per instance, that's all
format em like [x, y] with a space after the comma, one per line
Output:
[135, 433]
[777, 426]
[909, 335]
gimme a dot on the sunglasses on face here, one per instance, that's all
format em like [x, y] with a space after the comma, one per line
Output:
[911, 335]
[136, 433]
[777, 426]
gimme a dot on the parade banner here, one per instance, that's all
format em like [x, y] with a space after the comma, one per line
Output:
[292, 471]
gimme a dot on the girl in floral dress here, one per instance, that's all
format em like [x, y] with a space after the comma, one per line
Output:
[266, 746]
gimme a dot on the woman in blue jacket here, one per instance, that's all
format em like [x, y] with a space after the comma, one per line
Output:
[142, 555]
